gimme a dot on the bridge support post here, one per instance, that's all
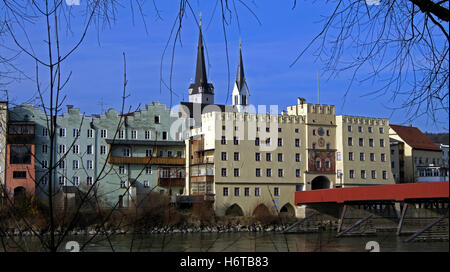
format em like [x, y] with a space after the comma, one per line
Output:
[412, 237]
[341, 221]
[400, 223]
[354, 225]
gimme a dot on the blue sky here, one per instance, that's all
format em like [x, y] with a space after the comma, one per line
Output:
[268, 50]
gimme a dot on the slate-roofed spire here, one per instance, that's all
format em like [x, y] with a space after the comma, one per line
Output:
[240, 77]
[201, 79]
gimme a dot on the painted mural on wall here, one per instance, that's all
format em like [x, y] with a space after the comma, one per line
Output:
[321, 161]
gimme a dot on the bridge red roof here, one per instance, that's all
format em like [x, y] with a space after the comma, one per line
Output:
[395, 192]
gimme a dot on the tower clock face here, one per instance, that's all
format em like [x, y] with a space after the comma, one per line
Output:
[321, 131]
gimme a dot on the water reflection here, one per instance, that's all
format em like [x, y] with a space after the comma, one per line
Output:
[234, 242]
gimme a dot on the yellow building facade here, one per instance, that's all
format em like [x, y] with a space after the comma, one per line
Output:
[243, 160]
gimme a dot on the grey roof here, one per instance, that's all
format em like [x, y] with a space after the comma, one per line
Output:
[200, 70]
[144, 142]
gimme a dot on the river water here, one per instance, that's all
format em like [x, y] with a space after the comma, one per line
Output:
[237, 242]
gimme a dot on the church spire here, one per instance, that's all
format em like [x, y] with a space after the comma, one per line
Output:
[200, 70]
[200, 91]
[240, 77]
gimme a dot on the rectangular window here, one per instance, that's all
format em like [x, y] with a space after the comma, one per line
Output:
[276, 191]
[350, 141]
[121, 134]
[225, 191]
[224, 156]
[223, 140]
[90, 133]
[280, 157]
[76, 181]
[280, 173]
[76, 149]
[103, 133]
[89, 181]
[169, 153]
[45, 132]
[76, 132]
[361, 142]
[349, 128]
[338, 156]
[148, 170]
[62, 132]
[236, 191]
[363, 174]
[297, 142]
[268, 172]
[372, 156]
[381, 142]
[280, 142]
[134, 134]
[381, 130]
[383, 157]
[257, 156]
[44, 149]
[374, 174]
[370, 129]
[361, 156]
[351, 174]
[297, 173]
[147, 134]
[257, 192]
[268, 157]
[19, 174]
[126, 152]
[236, 156]
[371, 142]
[148, 152]
[360, 129]
[62, 164]
[235, 140]
[246, 191]
[384, 175]
[257, 141]
[350, 156]
[103, 149]
[297, 157]
[121, 169]
[157, 119]
[89, 149]
[62, 149]
[44, 164]
[89, 164]
[62, 180]
[75, 164]
[146, 184]
[224, 172]
[123, 184]
[164, 135]
[296, 130]
[258, 172]
[236, 172]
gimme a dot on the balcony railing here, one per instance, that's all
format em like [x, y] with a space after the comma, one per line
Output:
[202, 160]
[146, 160]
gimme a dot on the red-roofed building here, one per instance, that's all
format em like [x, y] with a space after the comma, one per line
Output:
[414, 157]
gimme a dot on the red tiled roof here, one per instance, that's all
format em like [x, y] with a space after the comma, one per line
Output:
[415, 138]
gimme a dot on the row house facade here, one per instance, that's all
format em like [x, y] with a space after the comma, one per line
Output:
[121, 157]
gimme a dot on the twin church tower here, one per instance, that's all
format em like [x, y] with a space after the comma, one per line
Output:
[202, 92]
